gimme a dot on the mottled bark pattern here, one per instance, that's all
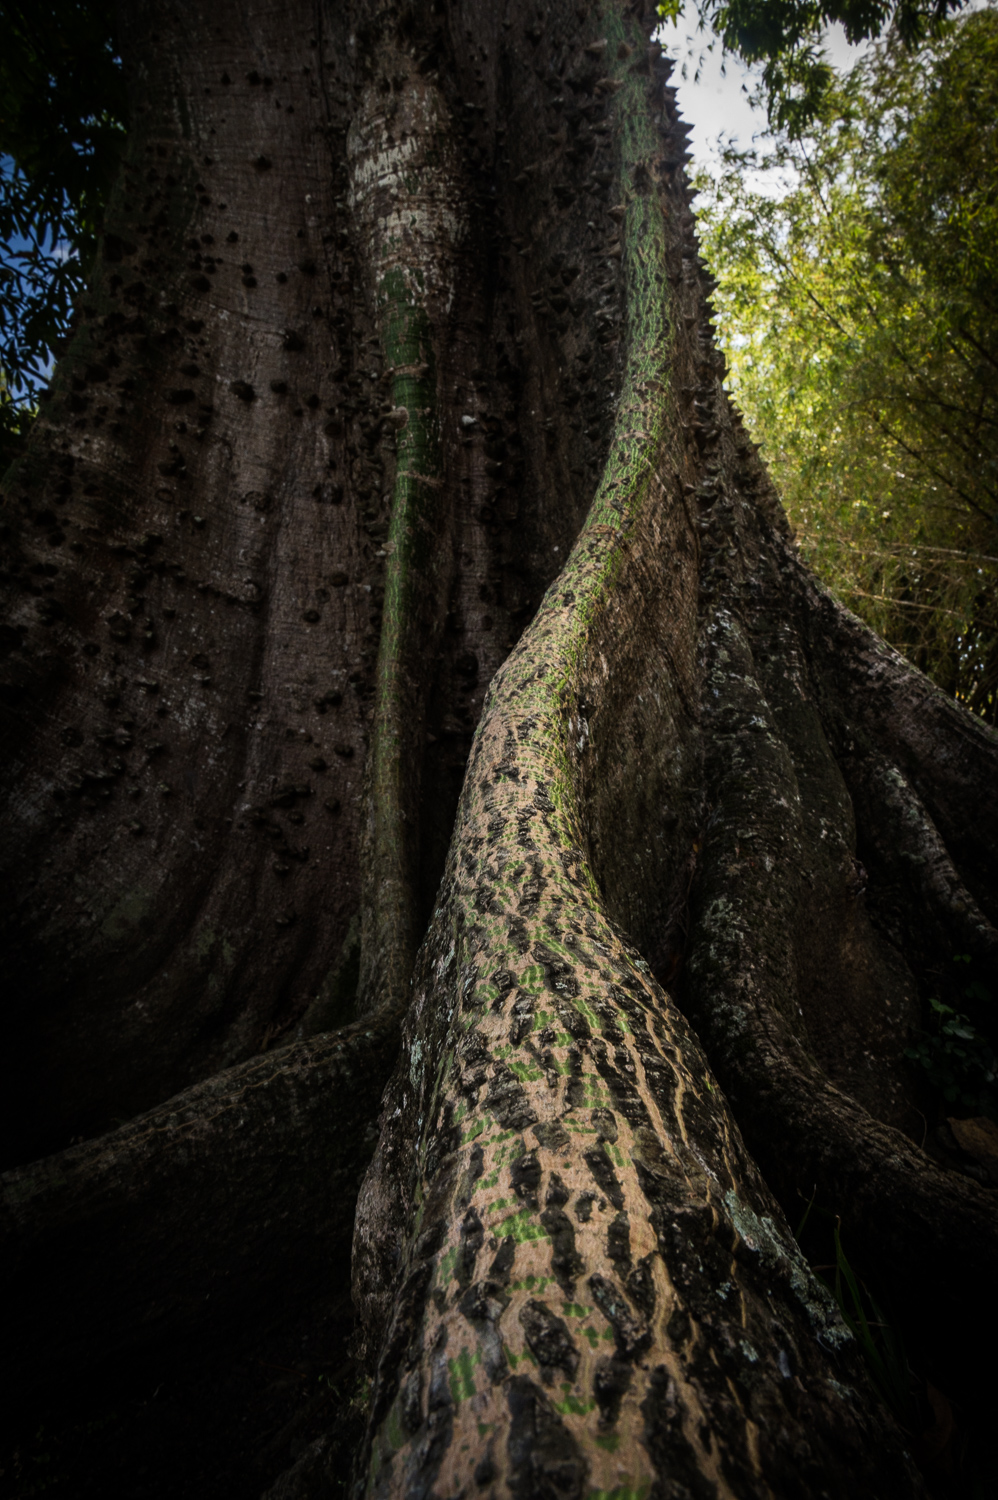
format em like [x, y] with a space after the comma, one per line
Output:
[600, 1292]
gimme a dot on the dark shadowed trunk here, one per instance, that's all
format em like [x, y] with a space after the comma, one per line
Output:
[403, 639]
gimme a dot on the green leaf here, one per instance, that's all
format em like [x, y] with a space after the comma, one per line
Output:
[858, 308]
[63, 111]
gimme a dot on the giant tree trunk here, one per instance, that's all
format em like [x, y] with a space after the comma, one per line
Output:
[393, 410]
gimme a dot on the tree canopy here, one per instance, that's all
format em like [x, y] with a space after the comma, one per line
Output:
[786, 37]
[858, 308]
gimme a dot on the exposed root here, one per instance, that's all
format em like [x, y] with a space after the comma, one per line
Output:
[227, 1192]
[900, 827]
[758, 907]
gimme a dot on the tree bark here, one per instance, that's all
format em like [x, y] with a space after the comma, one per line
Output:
[392, 412]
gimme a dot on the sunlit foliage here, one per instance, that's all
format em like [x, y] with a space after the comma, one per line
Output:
[858, 305]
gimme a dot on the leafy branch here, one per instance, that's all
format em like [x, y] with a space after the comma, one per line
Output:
[63, 116]
[854, 301]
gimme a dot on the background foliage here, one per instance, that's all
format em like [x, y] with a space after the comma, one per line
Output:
[858, 306]
[62, 116]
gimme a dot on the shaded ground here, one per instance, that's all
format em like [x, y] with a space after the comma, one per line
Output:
[219, 1420]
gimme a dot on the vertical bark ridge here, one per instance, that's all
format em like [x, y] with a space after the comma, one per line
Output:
[905, 827]
[556, 1318]
[408, 198]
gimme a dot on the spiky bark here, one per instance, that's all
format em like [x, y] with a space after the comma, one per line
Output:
[399, 341]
